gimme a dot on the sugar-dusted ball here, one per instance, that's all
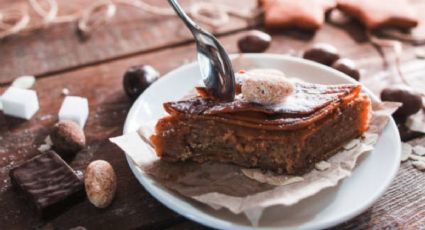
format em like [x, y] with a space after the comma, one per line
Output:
[265, 88]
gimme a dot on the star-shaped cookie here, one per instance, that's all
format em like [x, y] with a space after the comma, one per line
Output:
[304, 14]
[376, 14]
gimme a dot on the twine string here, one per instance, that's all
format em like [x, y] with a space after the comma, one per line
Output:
[47, 15]
[13, 21]
[397, 48]
[88, 23]
[409, 38]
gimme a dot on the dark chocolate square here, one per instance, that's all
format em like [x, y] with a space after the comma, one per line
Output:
[49, 183]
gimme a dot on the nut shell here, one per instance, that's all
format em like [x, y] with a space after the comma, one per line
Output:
[67, 138]
[100, 183]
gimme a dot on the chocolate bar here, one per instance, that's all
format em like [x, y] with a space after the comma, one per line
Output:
[49, 183]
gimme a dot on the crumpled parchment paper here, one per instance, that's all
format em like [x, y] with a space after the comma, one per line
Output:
[250, 191]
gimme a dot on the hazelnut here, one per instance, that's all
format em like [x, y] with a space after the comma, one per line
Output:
[67, 138]
[254, 41]
[323, 53]
[412, 102]
[138, 78]
[100, 182]
[348, 67]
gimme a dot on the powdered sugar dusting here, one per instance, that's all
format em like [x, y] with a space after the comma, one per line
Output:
[266, 89]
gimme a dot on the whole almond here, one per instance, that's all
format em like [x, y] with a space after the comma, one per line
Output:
[67, 138]
[100, 183]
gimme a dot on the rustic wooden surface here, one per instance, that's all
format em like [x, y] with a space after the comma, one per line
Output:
[94, 70]
[130, 32]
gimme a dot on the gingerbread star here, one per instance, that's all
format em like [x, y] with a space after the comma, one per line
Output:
[304, 14]
[376, 14]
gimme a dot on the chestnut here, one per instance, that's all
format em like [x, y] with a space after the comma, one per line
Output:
[138, 78]
[348, 67]
[254, 42]
[323, 53]
[412, 101]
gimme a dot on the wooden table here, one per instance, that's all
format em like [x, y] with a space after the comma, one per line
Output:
[94, 69]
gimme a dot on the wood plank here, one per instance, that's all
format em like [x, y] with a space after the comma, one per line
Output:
[130, 32]
[101, 84]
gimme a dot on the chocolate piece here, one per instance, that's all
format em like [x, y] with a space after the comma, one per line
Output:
[254, 42]
[48, 183]
[412, 102]
[323, 53]
[348, 67]
[377, 14]
[138, 78]
[303, 14]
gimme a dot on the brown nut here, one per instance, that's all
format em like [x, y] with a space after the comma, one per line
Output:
[254, 41]
[138, 78]
[323, 53]
[101, 183]
[348, 67]
[67, 138]
[412, 101]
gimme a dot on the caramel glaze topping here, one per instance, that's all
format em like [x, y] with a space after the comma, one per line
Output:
[309, 103]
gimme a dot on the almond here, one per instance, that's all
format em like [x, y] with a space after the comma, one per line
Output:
[67, 138]
[100, 183]
[266, 88]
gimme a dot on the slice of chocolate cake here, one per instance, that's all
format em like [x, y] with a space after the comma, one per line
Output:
[309, 126]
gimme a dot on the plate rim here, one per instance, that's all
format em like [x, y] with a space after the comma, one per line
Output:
[224, 224]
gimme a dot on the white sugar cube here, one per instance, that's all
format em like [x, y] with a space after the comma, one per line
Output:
[24, 82]
[22, 103]
[75, 109]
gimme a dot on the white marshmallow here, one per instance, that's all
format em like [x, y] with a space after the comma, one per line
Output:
[22, 103]
[75, 109]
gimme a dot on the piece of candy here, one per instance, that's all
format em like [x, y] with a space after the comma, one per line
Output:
[75, 109]
[48, 183]
[22, 103]
[265, 88]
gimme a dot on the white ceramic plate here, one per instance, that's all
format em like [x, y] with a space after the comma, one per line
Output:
[329, 207]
